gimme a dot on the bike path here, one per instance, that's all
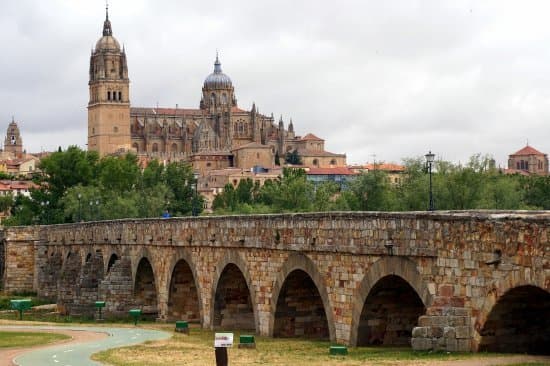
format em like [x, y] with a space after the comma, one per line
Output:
[78, 354]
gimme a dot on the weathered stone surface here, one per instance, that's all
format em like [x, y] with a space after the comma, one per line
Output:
[442, 257]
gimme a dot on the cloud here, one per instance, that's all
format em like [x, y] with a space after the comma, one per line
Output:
[393, 78]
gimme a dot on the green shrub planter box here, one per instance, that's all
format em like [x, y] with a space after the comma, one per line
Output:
[135, 313]
[247, 341]
[338, 350]
[182, 327]
[99, 305]
[21, 305]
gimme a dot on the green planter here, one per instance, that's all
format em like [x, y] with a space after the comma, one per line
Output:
[21, 305]
[135, 314]
[182, 327]
[247, 341]
[338, 350]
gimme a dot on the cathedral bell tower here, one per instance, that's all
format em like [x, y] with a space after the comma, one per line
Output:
[109, 104]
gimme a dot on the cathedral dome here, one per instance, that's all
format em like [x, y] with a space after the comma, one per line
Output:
[217, 79]
[107, 43]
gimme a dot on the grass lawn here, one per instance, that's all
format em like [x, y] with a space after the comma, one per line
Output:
[28, 339]
[197, 349]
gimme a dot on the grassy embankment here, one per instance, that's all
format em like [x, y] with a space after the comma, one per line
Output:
[28, 339]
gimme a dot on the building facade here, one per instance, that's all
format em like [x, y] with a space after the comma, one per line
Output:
[216, 135]
[528, 160]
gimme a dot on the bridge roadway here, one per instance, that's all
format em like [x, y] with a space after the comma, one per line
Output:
[455, 281]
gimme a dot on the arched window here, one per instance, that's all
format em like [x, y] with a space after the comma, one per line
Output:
[108, 95]
[119, 96]
[135, 145]
[174, 148]
[315, 162]
[213, 99]
[246, 129]
[240, 128]
[155, 147]
[224, 98]
[333, 162]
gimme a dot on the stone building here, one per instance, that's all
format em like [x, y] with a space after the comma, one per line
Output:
[13, 143]
[529, 160]
[216, 135]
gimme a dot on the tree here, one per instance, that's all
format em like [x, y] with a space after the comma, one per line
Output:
[293, 158]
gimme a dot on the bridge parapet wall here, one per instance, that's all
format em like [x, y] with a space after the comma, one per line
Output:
[442, 255]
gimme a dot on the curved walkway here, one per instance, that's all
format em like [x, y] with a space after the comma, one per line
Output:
[78, 354]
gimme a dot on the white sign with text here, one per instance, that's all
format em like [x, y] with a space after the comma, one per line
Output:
[223, 340]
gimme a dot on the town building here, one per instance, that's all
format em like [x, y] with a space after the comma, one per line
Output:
[217, 135]
[528, 160]
[393, 171]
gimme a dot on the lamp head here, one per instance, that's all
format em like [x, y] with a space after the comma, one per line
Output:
[430, 157]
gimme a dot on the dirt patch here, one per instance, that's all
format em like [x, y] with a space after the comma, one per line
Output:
[77, 336]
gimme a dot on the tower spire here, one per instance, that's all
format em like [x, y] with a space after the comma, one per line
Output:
[107, 30]
[217, 64]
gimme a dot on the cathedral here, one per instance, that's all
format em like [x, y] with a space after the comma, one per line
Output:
[217, 135]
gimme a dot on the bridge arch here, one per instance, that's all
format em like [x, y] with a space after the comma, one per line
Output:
[182, 274]
[520, 292]
[146, 288]
[401, 271]
[232, 264]
[299, 264]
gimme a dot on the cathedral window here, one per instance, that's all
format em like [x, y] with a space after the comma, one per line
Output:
[174, 148]
[316, 162]
[155, 147]
[119, 96]
[108, 95]
[213, 99]
[135, 146]
[224, 98]
[115, 129]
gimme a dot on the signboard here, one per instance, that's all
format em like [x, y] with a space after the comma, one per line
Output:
[223, 340]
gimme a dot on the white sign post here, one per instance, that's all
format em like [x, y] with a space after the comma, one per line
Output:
[221, 342]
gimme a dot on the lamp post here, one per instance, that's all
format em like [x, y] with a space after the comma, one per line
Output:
[79, 196]
[194, 208]
[429, 160]
[98, 216]
[45, 210]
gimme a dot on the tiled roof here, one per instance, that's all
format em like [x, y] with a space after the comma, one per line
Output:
[528, 150]
[389, 167]
[311, 137]
[252, 145]
[303, 152]
[330, 171]
[173, 111]
[516, 171]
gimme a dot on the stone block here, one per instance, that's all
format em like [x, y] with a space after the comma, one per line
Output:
[425, 321]
[420, 332]
[463, 332]
[451, 345]
[464, 345]
[421, 344]
[436, 332]
[449, 332]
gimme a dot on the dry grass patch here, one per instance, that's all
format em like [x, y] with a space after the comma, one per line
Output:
[197, 349]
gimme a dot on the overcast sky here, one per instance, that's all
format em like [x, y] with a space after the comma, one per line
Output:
[390, 79]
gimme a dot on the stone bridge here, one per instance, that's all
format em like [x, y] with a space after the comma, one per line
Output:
[456, 281]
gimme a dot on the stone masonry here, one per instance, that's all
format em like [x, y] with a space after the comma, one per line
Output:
[451, 268]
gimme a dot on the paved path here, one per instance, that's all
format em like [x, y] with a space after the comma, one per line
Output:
[79, 354]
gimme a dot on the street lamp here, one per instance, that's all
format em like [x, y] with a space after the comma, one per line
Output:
[429, 160]
[45, 205]
[98, 216]
[79, 196]
[194, 208]
[91, 210]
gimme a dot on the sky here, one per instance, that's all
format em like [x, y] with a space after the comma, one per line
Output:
[378, 80]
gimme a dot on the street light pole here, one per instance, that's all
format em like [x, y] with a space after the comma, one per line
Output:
[429, 160]
[194, 208]
[79, 207]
